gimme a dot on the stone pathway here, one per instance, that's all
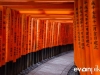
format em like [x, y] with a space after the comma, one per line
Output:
[57, 66]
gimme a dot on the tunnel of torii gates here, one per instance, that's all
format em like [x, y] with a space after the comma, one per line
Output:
[32, 31]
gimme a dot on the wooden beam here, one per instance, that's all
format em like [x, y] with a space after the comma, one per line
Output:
[62, 21]
[51, 16]
[47, 12]
[36, 0]
[34, 5]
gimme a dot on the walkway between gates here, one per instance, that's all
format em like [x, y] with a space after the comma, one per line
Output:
[57, 66]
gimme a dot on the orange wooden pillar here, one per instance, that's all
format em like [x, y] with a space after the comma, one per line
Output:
[10, 45]
[14, 37]
[51, 34]
[22, 25]
[61, 35]
[52, 38]
[9, 41]
[44, 34]
[45, 45]
[41, 34]
[71, 33]
[21, 50]
[2, 36]
[1, 25]
[82, 34]
[33, 35]
[38, 29]
[32, 40]
[17, 35]
[50, 23]
[86, 34]
[37, 34]
[94, 15]
[78, 56]
[74, 35]
[40, 43]
[61, 42]
[66, 33]
[29, 34]
[48, 34]
[74, 38]
[58, 34]
[33, 47]
[55, 33]
[18, 31]
[81, 29]
[5, 32]
[49, 39]
[28, 38]
[20, 40]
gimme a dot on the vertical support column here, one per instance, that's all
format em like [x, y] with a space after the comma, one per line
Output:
[20, 43]
[53, 39]
[77, 44]
[0, 38]
[57, 45]
[29, 39]
[37, 39]
[94, 15]
[81, 29]
[22, 39]
[31, 23]
[26, 57]
[32, 39]
[58, 38]
[8, 40]
[48, 39]
[74, 36]
[17, 39]
[86, 34]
